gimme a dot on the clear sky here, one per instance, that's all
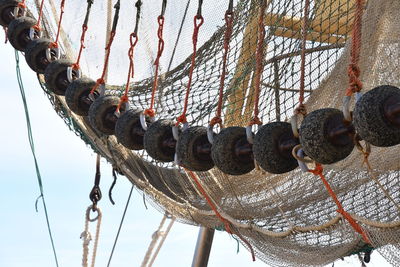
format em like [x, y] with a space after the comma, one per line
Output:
[67, 166]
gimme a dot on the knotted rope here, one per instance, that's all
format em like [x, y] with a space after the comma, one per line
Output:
[150, 111]
[198, 21]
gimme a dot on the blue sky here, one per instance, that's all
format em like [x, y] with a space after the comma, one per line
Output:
[67, 167]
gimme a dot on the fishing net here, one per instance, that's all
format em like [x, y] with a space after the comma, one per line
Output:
[289, 219]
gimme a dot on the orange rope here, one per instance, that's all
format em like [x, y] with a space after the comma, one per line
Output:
[55, 43]
[133, 39]
[37, 25]
[259, 64]
[108, 51]
[22, 4]
[319, 172]
[150, 111]
[226, 223]
[76, 66]
[198, 21]
[101, 80]
[124, 98]
[354, 72]
[227, 38]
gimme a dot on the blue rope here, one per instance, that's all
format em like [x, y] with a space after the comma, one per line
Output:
[32, 145]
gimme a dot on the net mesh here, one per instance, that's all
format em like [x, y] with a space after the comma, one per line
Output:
[289, 219]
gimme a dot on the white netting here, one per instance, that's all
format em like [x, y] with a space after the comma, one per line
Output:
[289, 219]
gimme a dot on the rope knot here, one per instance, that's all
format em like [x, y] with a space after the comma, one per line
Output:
[124, 99]
[254, 121]
[318, 169]
[86, 236]
[36, 28]
[149, 112]
[110, 41]
[53, 45]
[301, 109]
[355, 85]
[181, 119]
[22, 5]
[100, 81]
[75, 66]
[216, 120]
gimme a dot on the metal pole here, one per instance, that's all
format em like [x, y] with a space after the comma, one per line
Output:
[203, 247]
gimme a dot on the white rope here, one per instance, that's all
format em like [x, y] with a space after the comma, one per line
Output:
[152, 250]
[87, 237]
[164, 236]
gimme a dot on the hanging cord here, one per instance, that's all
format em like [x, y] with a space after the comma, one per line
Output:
[120, 227]
[319, 172]
[154, 238]
[259, 63]
[226, 223]
[54, 45]
[87, 237]
[161, 91]
[161, 243]
[229, 17]
[355, 85]
[151, 255]
[133, 39]
[150, 111]
[354, 71]
[76, 66]
[32, 145]
[301, 108]
[198, 21]
[101, 81]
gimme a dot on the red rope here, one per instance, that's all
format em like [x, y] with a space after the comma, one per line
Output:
[259, 64]
[355, 85]
[22, 4]
[319, 172]
[108, 51]
[198, 21]
[227, 38]
[150, 111]
[37, 25]
[133, 41]
[226, 223]
[76, 66]
[55, 43]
